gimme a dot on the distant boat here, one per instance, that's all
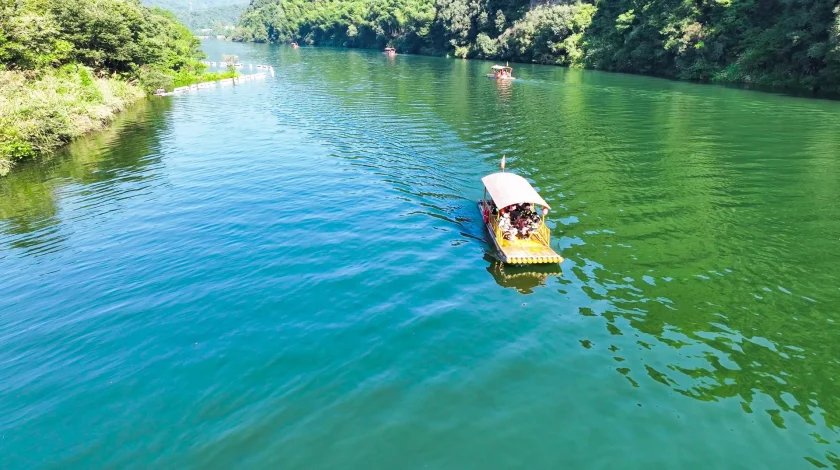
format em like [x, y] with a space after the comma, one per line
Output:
[501, 72]
[390, 51]
[294, 45]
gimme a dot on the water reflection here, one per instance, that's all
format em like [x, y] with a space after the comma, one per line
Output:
[505, 88]
[522, 278]
[125, 152]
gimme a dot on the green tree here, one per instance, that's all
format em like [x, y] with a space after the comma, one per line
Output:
[485, 46]
[500, 21]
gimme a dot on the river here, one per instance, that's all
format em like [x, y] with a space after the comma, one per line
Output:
[292, 273]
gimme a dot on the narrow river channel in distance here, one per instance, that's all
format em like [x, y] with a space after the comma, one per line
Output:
[292, 273]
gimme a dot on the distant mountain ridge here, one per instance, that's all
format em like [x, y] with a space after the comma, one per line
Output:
[200, 15]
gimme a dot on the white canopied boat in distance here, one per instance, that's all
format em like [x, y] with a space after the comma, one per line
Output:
[501, 72]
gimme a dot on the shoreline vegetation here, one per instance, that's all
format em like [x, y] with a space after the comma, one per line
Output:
[68, 66]
[790, 45]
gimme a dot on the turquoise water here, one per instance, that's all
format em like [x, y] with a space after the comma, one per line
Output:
[292, 274]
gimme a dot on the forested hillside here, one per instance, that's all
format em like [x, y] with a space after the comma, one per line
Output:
[66, 66]
[779, 43]
[203, 14]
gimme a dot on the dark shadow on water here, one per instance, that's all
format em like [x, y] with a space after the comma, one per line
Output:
[522, 278]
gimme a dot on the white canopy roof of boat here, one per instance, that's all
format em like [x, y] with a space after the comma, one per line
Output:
[507, 189]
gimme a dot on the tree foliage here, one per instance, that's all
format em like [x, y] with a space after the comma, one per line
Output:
[549, 34]
[109, 36]
[67, 66]
[790, 43]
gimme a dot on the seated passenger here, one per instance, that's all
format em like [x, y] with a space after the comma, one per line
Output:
[504, 221]
[524, 229]
[508, 231]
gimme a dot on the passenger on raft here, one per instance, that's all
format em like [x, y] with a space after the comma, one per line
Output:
[518, 220]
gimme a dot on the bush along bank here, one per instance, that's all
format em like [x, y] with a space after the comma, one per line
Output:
[67, 66]
[40, 111]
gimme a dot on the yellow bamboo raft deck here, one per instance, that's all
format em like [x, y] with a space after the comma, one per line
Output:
[533, 250]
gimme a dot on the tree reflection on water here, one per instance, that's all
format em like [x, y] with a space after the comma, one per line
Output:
[124, 152]
[522, 278]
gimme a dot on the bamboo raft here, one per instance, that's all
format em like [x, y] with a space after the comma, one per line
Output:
[506, 189]
[501, 72]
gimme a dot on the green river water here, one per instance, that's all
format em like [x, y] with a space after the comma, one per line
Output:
[292, 273]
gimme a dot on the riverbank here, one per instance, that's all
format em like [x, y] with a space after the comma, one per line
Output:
[41, 111]
[67, 68]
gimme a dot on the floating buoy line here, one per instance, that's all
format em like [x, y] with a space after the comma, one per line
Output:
[199, 86]
[239, 65]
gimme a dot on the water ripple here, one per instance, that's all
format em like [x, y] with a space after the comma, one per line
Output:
[239, 276]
